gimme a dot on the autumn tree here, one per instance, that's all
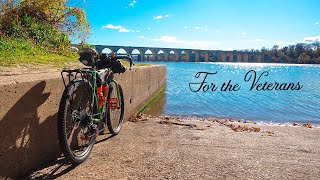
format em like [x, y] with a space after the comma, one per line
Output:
[71, 20]
[46, 22]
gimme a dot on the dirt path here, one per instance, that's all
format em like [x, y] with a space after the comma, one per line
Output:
[186, 149]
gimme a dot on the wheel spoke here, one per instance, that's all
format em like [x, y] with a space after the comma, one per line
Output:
[115, 116]
[75, 133]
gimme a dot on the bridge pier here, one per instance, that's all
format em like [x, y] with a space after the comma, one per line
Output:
[210, 55]
[229, 57]
[238, 57]
[258, 58]
[222, 57]
[245, 57]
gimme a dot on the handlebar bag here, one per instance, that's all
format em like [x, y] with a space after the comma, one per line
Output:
[117, 66]
[87, 56]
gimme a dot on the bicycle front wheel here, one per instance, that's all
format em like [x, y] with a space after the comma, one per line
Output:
[75, 132]
[115, 108]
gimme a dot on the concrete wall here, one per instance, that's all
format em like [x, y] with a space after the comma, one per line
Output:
[28, 114]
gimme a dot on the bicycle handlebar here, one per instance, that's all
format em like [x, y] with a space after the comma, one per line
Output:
[125, 57]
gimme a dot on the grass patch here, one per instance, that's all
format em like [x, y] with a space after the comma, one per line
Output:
[20, 51]
[15, 52]
[142, 64]
[126, 63]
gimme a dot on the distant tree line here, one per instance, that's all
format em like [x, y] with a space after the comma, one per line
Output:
[300, 53]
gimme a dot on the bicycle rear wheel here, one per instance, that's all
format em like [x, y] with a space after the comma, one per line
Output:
[115, 108]
[75, 132]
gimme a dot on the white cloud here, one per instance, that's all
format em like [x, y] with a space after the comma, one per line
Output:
[194, 44]
[133, 3]
[141, 37]
[119, 27]
[110, 26]
[244, 34]
[204, 28]
[259, 40]
[149, 28]
[124, 30]
[186, 27]
[218, 31]
[316, 23]
[312, 39]
[161, 16]
[158, 17]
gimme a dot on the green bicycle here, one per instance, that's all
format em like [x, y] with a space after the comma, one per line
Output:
[90, 102]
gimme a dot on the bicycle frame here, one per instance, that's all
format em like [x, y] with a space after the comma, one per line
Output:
[94, 100]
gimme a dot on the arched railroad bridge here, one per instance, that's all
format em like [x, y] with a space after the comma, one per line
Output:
[188, 55]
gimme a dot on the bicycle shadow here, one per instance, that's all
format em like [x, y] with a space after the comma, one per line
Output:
[26, 139]
[61, 166]
[54, 173]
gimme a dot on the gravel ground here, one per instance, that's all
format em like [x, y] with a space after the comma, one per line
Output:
[174, 148]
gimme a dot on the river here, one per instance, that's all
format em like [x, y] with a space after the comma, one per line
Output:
[245, 101]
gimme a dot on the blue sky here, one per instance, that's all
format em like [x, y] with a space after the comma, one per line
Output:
[204, 24]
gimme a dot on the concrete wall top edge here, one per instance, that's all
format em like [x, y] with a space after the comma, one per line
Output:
[20, 78]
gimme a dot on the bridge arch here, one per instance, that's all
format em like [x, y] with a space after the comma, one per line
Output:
[258, 58]
[184, 55]
[107, 51]
[222, 57]
[194, 56]
[235, 56]
[252, 58]
[137, 54]
[211, 56]
[229, 57]
[238, 57]
[162, 55]
[173, 55]
[122, 51]
[149, 55]
[245, 57]
[204, 56]
[215, 57]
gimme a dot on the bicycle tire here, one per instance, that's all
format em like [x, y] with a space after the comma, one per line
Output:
[66, 121]
[114, 122]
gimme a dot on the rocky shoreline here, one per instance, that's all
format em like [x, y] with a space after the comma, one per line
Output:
[223, 121]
